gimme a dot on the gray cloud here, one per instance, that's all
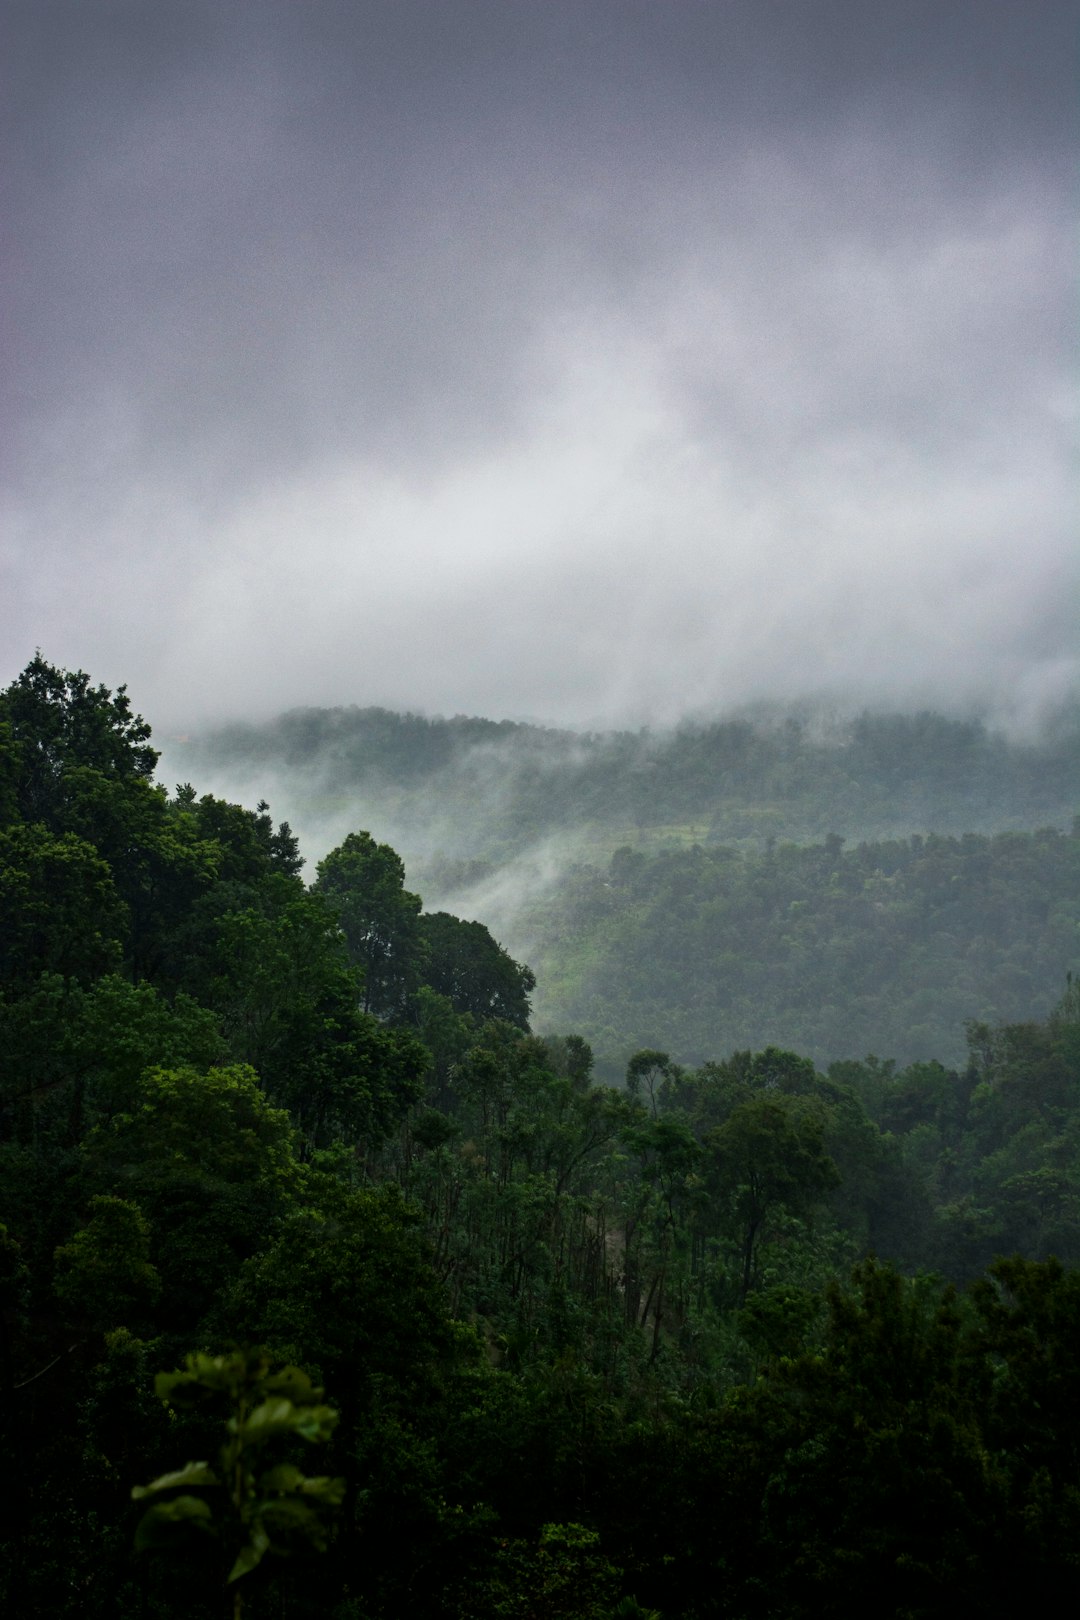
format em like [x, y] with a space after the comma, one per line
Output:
[591, 362]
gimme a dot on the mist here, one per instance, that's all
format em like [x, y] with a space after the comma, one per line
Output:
[602, 365]
[537, 832]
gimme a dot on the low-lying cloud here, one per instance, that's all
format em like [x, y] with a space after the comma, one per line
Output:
[558, 368]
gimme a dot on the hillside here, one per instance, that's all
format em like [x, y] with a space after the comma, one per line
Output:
[475, 789]
[886, 947]
[838, 886]
[246, 1120]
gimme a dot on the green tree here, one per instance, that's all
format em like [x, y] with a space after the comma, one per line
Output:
[347, 1286]
[856, 1475]
[563, 1575]
[380, 919]
[467, 966]
[769, 1156]
[210, 1164]
[1029, 1324]
[57, 721]
[103, 1275]
[59, 909]
[76, 1055]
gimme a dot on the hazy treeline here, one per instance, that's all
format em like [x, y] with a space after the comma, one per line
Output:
[887, 947]
[688, 1346]
[486, 790]
[655, 883]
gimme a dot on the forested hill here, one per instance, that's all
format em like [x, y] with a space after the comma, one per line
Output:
[838, 888]
[484, 789]
[835, 951]
[329, 1290]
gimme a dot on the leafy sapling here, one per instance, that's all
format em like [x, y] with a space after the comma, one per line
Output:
[249, 1505]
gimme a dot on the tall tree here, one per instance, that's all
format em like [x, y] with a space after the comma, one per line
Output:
[379, 917]
[471, 969]
[58, 721]
[769, 1155]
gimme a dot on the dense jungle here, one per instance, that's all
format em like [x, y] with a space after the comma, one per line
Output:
[352, 1268]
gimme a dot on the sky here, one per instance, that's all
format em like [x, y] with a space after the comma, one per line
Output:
[597, 362]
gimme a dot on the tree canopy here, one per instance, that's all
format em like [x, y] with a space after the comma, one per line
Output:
[734, 1336]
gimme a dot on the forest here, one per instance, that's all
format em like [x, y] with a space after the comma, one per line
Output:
[331, 1288]
[768, 773]
[837, 886]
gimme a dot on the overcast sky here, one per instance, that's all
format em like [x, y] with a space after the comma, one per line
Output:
[585, 360]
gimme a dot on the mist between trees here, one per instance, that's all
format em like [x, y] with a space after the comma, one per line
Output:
[839, 885]
[732, 1336]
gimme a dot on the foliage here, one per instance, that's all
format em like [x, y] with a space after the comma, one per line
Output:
[61, 912]
[365, 883]
[104, 1274]
[210, 1164]
[250, 1509]
[888, 947]
[475, 974]
[563, 1576]
[770, 1152]
[57, 720]
[596, 1349]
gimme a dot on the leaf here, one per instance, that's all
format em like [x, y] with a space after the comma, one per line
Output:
[193, 1473]
[289, 1517]
[325, 1488]
[250, 1556]
[286, 1477]
[287, 1480]
[293, 1383]
[275, 1416]
[280, 1416]
[200, 1375]
[317, 1422]
[159, 1525]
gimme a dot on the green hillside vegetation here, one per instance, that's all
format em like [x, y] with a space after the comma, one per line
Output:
[864, 886]
[887, 947]
[381, 1304]
[483, 790]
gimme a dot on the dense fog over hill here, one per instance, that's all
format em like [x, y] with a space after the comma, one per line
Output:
[831, 885]
[605, 364]
[476, 789]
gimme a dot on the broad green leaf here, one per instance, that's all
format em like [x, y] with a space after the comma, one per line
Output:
[251, 1555]
[193, 1473]
[287, 1516]
[158, 1525]
[293, 1383]
[284, 1478]
[317, 1422]
[201, 1373]
[280, 1416]
[286, 1513]
[325, 1488]
[275, 1416]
